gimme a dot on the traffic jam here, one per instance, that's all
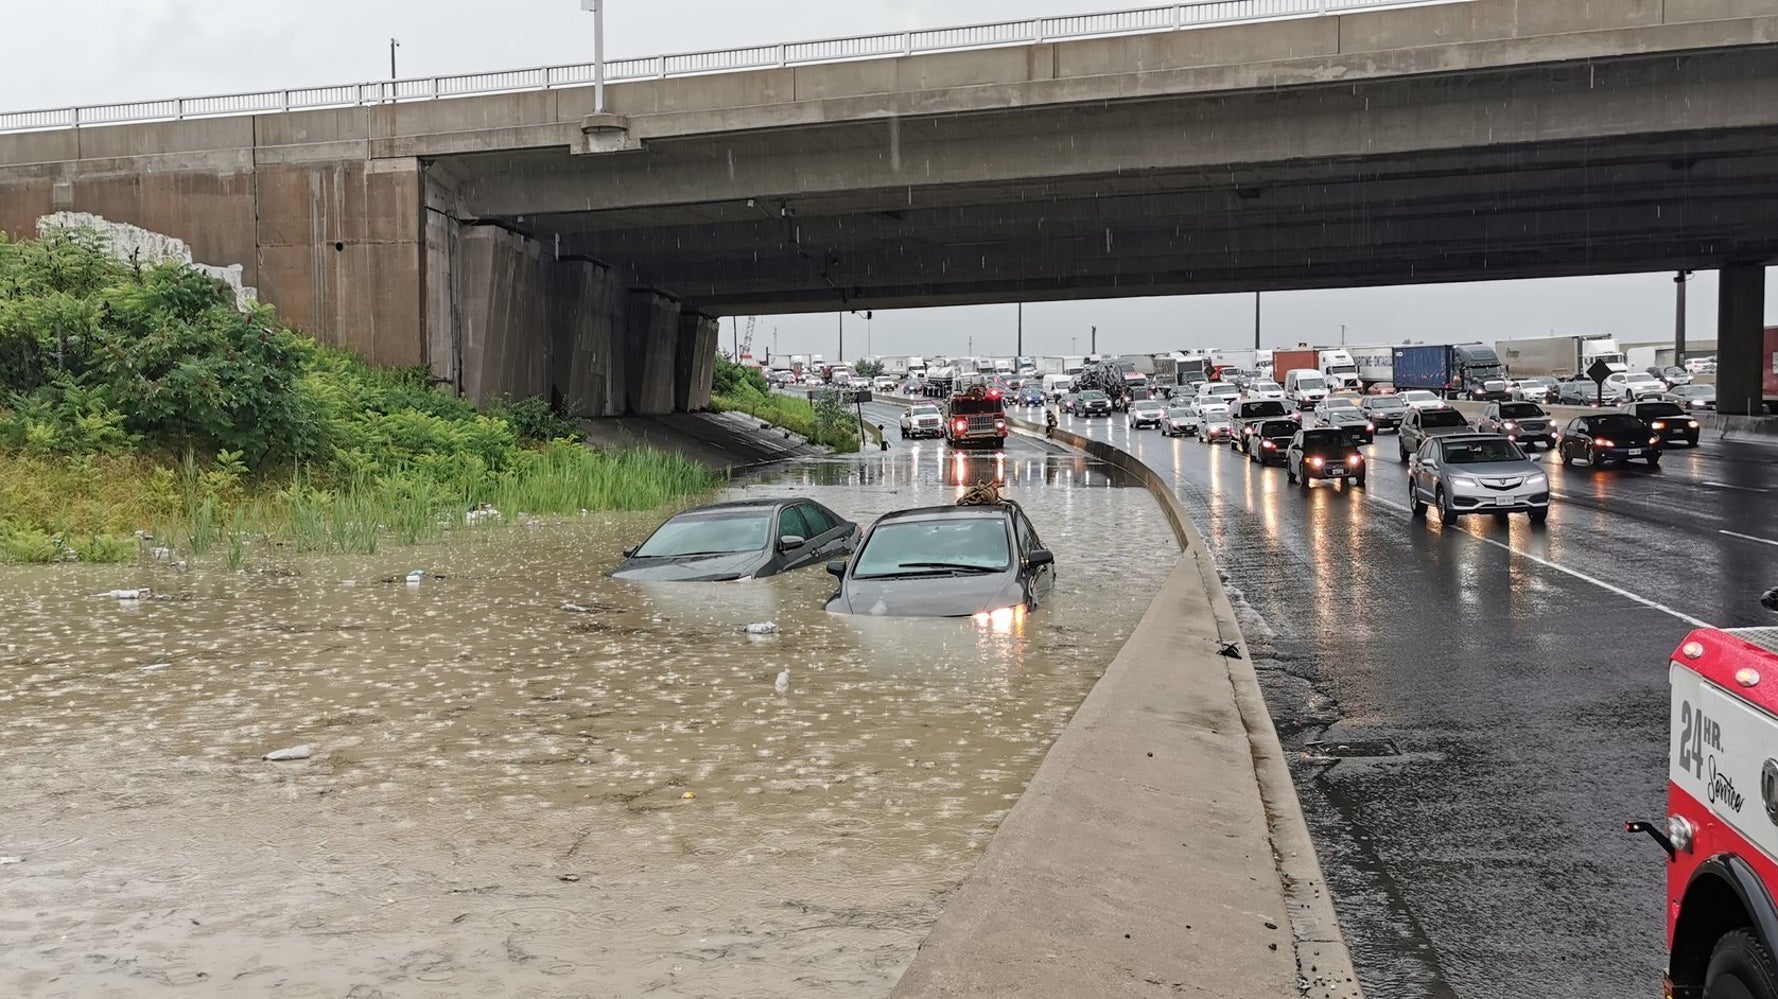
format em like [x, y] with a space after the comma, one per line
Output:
[1477, 442]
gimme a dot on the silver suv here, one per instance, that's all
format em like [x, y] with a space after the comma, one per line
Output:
[1476, 473]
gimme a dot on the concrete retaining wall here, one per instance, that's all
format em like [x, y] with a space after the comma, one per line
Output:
[1160, 849]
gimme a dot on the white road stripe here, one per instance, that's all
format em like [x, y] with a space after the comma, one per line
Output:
[1739, 489]
[1749, 537]
[1577, 574]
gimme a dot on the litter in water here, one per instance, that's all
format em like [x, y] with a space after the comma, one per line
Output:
[292, 753]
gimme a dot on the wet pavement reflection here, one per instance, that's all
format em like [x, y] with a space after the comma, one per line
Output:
[507, 797]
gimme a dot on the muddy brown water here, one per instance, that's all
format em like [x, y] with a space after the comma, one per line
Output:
[510, 799]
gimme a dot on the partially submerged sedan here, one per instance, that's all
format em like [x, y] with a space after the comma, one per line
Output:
[947, 561]
[744, 539]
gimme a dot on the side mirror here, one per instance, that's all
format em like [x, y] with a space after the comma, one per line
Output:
[630, 552]
[791, 542]
[1039, 557]
[837, 568]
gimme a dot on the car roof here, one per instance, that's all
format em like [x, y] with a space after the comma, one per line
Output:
[743, 504]
[983, 511]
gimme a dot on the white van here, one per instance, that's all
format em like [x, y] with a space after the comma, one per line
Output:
[1305, 387]
[1055, 385]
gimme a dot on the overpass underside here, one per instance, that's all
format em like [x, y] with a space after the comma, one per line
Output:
[520, 245]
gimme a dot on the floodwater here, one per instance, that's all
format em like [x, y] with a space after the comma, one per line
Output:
[506, 798]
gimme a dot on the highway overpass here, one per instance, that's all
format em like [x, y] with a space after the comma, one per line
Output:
[521, 243]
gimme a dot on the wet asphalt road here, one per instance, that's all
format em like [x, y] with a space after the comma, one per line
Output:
[1499, 692]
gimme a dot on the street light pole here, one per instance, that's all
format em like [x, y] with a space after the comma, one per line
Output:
[842, 354]
[597, 7]
[1256, 320]
[393, 45]
[1342, 334]
[1019, 351]
[1679, 281]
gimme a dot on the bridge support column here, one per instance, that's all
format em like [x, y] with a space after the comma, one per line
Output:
[587, 310]
[1740, 338]
[651, 344]
[501, 314]
[696, 362]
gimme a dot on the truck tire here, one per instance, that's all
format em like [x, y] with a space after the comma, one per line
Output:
[1740, 968]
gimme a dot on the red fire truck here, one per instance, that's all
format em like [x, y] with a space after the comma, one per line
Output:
[1721, 835]
[976, 417]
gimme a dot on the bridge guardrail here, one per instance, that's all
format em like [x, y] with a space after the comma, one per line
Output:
[998, 34]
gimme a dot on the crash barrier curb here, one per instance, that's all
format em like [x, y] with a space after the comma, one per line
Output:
[1092, 854]
[1722, 424]
[1322, 958]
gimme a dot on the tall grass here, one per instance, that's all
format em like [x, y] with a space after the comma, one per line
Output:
[837, 429]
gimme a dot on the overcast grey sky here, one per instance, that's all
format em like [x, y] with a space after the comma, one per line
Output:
[93, 51]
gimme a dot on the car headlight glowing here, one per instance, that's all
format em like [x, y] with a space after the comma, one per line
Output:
[1467, 481]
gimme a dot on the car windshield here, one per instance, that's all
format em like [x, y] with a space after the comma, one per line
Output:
[1179, 412]
[1521, 410]
[1310, 384]
[1265, 387]
[709, 532]
[1442, 418]
[1148, 407]
[1278, 428]
[1221, 389]
[1267, 407]
[1616, 425]
[1418, 395]
[1092, 395]
[1323, 441]
[1659, 409]
[1388, 402]
[923, 411]
[1341, 402]
[931, 546]
[1696, 391]
[1216, 414]
[1473, 452]
[961, 407]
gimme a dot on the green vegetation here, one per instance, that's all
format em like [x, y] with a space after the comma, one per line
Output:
[742, 389]
[138, 399]
[867, 368]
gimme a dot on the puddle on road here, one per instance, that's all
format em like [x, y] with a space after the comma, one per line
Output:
[507, 798]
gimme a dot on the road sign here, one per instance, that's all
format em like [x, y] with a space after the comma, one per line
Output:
[1599, 371]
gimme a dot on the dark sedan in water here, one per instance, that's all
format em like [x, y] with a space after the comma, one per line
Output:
[745, 539]
[982, 561]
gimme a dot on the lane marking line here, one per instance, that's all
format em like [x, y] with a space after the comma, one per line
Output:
[1577, 574]
[1749, 537]
[1739, 489]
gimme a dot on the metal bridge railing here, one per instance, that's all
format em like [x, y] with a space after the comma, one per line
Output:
[1142, 20]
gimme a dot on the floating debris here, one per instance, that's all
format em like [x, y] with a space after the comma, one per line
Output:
[763, 628]
[783, 682]
[574, 608]
[292, 753]
[125, 595]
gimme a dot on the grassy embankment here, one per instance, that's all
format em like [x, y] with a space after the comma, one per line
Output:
[740, 389]
[143, 400]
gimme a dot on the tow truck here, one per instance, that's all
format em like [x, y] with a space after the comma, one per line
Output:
[976, 416]
[1721, 834]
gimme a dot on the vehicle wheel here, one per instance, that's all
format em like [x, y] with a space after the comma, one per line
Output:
[1594, 461]
[1290, 473]
[1654, 461]
[1446, 515]
[1740, 969]
[1562, 456]
[1359, 482]
[1539, 516]
[1403, 450]
[1414, 502]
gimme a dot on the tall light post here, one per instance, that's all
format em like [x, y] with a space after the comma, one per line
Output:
[1342, 334]
[597, 9]
[1256, 320]
[393, 45]
[1679, 281]
[1019, 350]
[842, 353]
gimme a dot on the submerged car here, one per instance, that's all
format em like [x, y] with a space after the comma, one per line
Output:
[982, 561]
[744, 539]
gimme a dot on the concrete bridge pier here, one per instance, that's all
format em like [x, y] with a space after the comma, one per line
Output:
[519, 321]
[1740, 339]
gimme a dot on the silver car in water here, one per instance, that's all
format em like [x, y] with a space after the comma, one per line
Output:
[1476, 473]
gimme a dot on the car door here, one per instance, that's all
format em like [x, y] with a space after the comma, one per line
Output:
[1576, 440]
[791, 523]
[825, 538]
[1293, 454]
[1040, 581]
[1490, 420]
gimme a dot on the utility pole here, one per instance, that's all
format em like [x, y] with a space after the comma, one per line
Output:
[1095, 341]
[1679, 281]
[1019, 350]
[393, 45]
[734, 329]
[597, 8]
[1342, 334]
[1256, 320]
[842, 354]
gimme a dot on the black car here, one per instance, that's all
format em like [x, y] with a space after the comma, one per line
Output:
[1608, 437]
[1247, 414]
[1384, 411]
[1692, 397]
[1525, 422]
[1328, 453]
[1668, 419]
[745, 539]
[1092, 402]
[1269, 440]
[980, 561]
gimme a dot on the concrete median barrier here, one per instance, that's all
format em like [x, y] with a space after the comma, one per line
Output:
[1160, 849]
[1718, 424]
